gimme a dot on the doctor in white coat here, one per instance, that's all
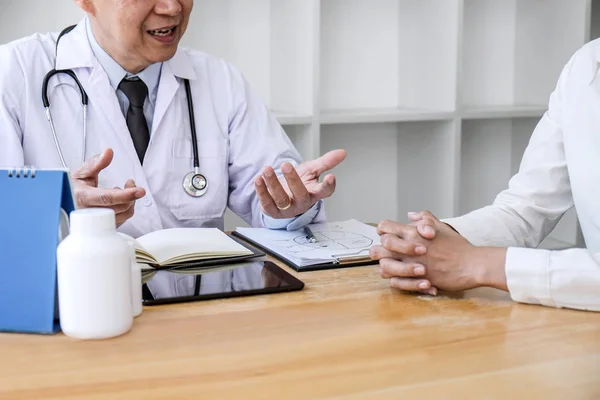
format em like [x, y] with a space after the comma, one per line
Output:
[138, 146]
[495, 246]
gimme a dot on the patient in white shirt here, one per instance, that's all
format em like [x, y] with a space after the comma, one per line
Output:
[496, 246]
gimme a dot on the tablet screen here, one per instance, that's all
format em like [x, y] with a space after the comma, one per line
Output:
[244, 279]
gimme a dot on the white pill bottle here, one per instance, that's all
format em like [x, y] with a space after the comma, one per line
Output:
[94, 277]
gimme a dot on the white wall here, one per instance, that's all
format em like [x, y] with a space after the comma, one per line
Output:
[20, 18]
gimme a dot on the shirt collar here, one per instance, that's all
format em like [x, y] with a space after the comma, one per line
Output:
[116, 73]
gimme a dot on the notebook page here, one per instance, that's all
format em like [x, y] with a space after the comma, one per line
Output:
[334, 239]
[168, 244]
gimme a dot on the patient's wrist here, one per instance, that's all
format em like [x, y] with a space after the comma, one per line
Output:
[488, 267]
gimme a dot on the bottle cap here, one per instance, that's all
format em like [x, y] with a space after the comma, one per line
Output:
[93, 220]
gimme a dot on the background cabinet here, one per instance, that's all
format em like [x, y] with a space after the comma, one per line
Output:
[435, 100]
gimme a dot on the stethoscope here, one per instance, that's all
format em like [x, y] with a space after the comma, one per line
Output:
[194, 183]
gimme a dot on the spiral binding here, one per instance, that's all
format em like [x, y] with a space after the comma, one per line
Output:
[24, 172]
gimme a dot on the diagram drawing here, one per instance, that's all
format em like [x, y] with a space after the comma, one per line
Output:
[326, 239]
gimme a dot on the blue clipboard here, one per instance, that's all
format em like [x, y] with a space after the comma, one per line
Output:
[33, 207]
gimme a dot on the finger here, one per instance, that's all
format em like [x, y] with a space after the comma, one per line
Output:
[396, 228]
[97, 197]
[280, 196]
[324, 189]
[402, 246]
[425, 222]
[427, 228]
[393, 268]
[92, 167]
[266, 200]
[121, 218]
[325, 162]
[414, 217]
[121, 208]
[380, 252]
[410, 284]
[299, 192]
[421, 214]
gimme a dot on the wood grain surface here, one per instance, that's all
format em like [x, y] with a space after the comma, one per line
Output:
[347, 335]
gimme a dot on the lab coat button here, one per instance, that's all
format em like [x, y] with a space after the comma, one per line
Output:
[147, 201]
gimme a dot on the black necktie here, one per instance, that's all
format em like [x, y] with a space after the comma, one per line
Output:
[136, 91]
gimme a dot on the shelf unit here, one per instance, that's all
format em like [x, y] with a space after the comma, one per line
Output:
[434, 100]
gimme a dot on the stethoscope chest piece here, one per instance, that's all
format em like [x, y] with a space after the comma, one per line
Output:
[195, 184]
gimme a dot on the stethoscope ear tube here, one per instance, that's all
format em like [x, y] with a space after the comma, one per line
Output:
[49, 75]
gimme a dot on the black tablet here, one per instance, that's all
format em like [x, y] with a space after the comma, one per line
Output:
[244, 279]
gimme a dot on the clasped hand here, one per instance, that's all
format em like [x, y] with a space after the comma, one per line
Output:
[425, 256]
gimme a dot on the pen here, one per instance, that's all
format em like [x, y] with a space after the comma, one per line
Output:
[309, 235]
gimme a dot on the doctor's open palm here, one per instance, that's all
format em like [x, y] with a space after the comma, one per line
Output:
[89, 195]
[299, 189]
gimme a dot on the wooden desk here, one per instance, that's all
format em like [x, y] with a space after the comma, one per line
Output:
[346, 336]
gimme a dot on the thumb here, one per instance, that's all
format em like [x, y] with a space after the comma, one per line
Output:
[426, 228]
[92, 167]
[426, 224]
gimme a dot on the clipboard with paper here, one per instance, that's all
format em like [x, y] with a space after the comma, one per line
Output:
[339, 244]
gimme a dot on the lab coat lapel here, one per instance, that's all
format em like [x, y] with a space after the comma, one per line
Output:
[179, 66]
[74, 52]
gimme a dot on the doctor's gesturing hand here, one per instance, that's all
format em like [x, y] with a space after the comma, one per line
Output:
[89, 195]
[299, 189]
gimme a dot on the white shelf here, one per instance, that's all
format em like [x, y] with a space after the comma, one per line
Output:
[514, 50]
[493, 112]
[365, 115]
[268, 40]
[285, 118]
[370, 58]
[388, 170]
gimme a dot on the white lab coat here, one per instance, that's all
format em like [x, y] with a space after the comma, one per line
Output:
[560, 169]
[237, 136]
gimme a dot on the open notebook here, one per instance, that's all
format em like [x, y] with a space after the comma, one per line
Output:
[338, 244]
[189, 247]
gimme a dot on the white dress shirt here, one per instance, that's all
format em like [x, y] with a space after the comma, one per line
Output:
[560, 169]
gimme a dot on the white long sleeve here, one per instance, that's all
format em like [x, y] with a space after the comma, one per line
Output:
[539, 194]
[566, 278]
